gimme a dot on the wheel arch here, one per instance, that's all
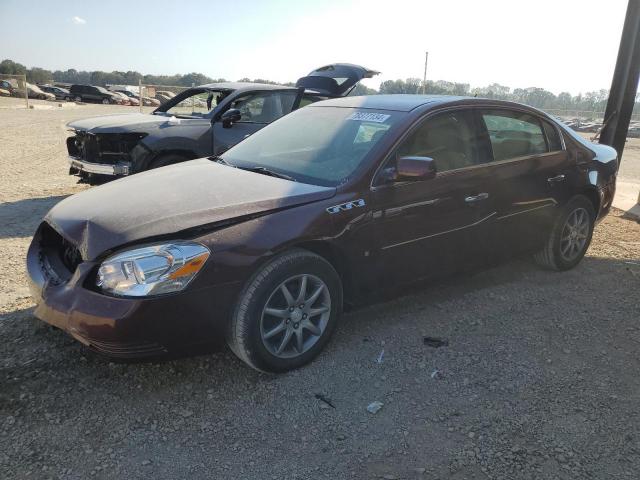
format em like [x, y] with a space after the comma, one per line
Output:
[186, 153]
[338, 260]
[594, 197]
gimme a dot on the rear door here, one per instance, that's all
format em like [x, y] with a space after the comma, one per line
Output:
[431, 227]
[257, 109]
[335, 80]
[530, 171]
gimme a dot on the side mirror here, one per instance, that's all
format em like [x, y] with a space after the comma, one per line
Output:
[413, 169]
[229, 117]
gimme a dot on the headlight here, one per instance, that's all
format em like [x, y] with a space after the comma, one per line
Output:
[152, 270]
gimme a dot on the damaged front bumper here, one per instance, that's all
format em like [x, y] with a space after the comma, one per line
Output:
[78, 166]
[108, 154]
[120, 327]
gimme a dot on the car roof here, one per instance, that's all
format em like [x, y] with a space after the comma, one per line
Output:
[243, 86]
[409, 102]
[396, 102]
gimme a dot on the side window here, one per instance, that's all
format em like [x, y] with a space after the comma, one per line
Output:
[514, 134]
[449, 138]
[553, 137]
[264, 107]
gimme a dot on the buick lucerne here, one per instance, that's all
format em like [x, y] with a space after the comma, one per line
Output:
[264, 244]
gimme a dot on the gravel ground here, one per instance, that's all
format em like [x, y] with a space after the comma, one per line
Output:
[539, 380]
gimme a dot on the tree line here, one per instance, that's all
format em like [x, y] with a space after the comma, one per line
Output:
[535, 96]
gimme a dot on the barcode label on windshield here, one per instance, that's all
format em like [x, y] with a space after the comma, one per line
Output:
[368, 117]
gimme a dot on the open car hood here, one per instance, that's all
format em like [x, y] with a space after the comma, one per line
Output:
[170, 200]
[335, 80]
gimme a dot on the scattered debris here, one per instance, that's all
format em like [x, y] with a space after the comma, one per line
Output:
[435, 342]
[437, 375]
[374, 407]
[325, 400]
[380, 357]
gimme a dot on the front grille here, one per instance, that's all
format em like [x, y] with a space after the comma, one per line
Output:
[58, 257]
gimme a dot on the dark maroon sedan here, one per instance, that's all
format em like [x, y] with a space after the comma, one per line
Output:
[265, 244]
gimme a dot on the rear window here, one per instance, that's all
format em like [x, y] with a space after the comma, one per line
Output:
[514, 134]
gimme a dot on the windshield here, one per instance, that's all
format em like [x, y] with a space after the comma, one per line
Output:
[317, 145]
[197, 104]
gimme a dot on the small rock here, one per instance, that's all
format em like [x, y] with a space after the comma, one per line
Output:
[146, 462]
[374, 407]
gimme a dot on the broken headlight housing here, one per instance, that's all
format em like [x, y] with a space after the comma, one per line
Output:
[152, 270]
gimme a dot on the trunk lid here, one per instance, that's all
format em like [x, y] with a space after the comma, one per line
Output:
[336, 79]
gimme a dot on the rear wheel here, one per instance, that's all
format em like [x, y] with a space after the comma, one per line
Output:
[105, 101]
[78, 98]
[570, 237]
[287, 312]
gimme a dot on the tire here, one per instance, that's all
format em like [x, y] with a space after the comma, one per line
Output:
[164, 160]
[105, 101]
[251, 323]
[554, 255]
[78, 99]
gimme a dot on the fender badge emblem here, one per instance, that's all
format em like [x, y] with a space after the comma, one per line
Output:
[346, 206]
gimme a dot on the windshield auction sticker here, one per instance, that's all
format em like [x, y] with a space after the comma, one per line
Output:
[368, 117]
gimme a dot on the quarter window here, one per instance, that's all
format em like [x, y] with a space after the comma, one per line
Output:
[514, 134]
[553, 138]
[450, 139]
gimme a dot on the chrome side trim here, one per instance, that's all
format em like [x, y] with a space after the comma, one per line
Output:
[440, 233]
[98, 168]
[527, 210]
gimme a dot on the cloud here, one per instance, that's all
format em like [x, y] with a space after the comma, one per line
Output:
[78, 21]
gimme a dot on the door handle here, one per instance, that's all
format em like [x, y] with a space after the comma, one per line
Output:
[557, 178]
[476, 198]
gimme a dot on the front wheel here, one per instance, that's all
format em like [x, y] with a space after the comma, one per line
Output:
[570, 236]
[286, 313]
[78, 99]
[105, 101]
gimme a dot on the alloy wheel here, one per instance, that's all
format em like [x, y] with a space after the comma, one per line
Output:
[295, 316]
[574, 234]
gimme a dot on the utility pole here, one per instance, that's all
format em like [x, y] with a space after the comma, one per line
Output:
[424, 78]
[624, 84]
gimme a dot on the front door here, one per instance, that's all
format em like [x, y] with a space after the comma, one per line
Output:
[257, 109]
[433, 227]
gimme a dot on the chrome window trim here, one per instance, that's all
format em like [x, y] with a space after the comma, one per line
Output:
[541, 116]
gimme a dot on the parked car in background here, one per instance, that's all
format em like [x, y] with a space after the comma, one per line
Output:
[263, 245]
[198, 122]
[91, 94]
[36, 92]
[4, 93]
[59, 93]
[146, 101]
[164, 95]
[7, 86]
[126, 100]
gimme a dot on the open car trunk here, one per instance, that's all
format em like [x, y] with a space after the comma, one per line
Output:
[335, 80]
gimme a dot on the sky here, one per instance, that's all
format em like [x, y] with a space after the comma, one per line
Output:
[560, 45]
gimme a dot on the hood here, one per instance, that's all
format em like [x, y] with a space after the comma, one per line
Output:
[335, 80]
[172, 199]
[122, 123]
